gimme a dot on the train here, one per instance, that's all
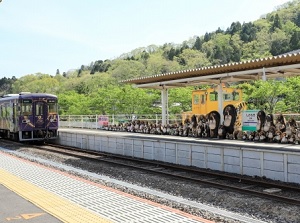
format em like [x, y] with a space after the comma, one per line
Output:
[206, 101]
[29, 116]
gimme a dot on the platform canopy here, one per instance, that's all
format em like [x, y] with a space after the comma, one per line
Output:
[283, 66]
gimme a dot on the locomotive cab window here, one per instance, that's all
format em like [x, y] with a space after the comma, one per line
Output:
[26, 107]
[39, 109]
[227, 97]
[213, 96]
[236, 96]
[196, 99]
[52, 106]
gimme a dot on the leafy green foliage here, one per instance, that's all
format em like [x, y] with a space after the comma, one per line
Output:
[273, 95]
[36, 83]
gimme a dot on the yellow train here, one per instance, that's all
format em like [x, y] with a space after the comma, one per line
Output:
[205, 101]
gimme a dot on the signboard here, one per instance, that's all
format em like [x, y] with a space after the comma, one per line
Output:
[249, 120]
[103, 120]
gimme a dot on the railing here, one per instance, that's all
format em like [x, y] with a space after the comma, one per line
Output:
[97, 121]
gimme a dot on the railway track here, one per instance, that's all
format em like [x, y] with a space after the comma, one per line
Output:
[281, 192]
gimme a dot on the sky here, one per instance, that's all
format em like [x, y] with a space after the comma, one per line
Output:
[41, 36]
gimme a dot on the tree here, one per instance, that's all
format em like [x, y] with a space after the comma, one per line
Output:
[297, 19]
[193, 59]
[157, 64]
[184, 46]
[236, 45]
[145, 56]
[248, 32]
[124, 99]
[57, 71]
[234, 28]
[208, 49]
[73, 103]
[79, 73]
[276, 23]
[207, 37]
[198, 44]
[279, 46]
[294, 43]
[124, 69]
[180, 100]
[219, 30]
[264, 95]
[279, 43]
[171, 53]
[292, 96]
[222, 49]
[39, 83]
[100, 66]
[254, 49]
[6, 85]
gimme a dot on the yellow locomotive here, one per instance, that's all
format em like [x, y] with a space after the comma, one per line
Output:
[205, 101]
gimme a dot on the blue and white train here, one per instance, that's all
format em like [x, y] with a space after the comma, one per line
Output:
[29, 116]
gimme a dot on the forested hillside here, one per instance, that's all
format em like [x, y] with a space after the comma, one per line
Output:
[95, 88]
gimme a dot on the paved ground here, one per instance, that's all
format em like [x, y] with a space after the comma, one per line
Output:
[15, 209]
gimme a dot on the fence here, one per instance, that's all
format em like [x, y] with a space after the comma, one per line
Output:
[97, 121]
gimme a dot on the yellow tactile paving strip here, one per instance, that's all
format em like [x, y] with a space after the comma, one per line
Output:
[59, 207]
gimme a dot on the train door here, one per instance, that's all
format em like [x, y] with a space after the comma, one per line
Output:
[14, 116]
[196, 103]
[199, 102]
[40, 114]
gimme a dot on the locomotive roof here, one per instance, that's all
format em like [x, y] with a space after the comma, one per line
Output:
[27, 95]
[285, 65]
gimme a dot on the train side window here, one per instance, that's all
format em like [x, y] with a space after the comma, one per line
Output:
[39, 109]
[5, 112]
[196, 99]
[213, 96]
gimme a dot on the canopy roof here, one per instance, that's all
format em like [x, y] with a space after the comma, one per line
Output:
[286, 65]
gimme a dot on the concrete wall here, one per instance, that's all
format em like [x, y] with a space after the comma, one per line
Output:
[271, 161]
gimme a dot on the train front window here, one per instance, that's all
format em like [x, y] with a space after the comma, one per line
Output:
[26, 107]
[39, 109]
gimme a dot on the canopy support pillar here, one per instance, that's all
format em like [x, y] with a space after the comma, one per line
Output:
[220, 102]
[164, 105]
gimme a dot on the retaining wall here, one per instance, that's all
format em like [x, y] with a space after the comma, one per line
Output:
[274, 161]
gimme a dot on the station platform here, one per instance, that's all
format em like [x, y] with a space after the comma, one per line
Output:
[30, 192]
[275, 161]
[14, 208]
